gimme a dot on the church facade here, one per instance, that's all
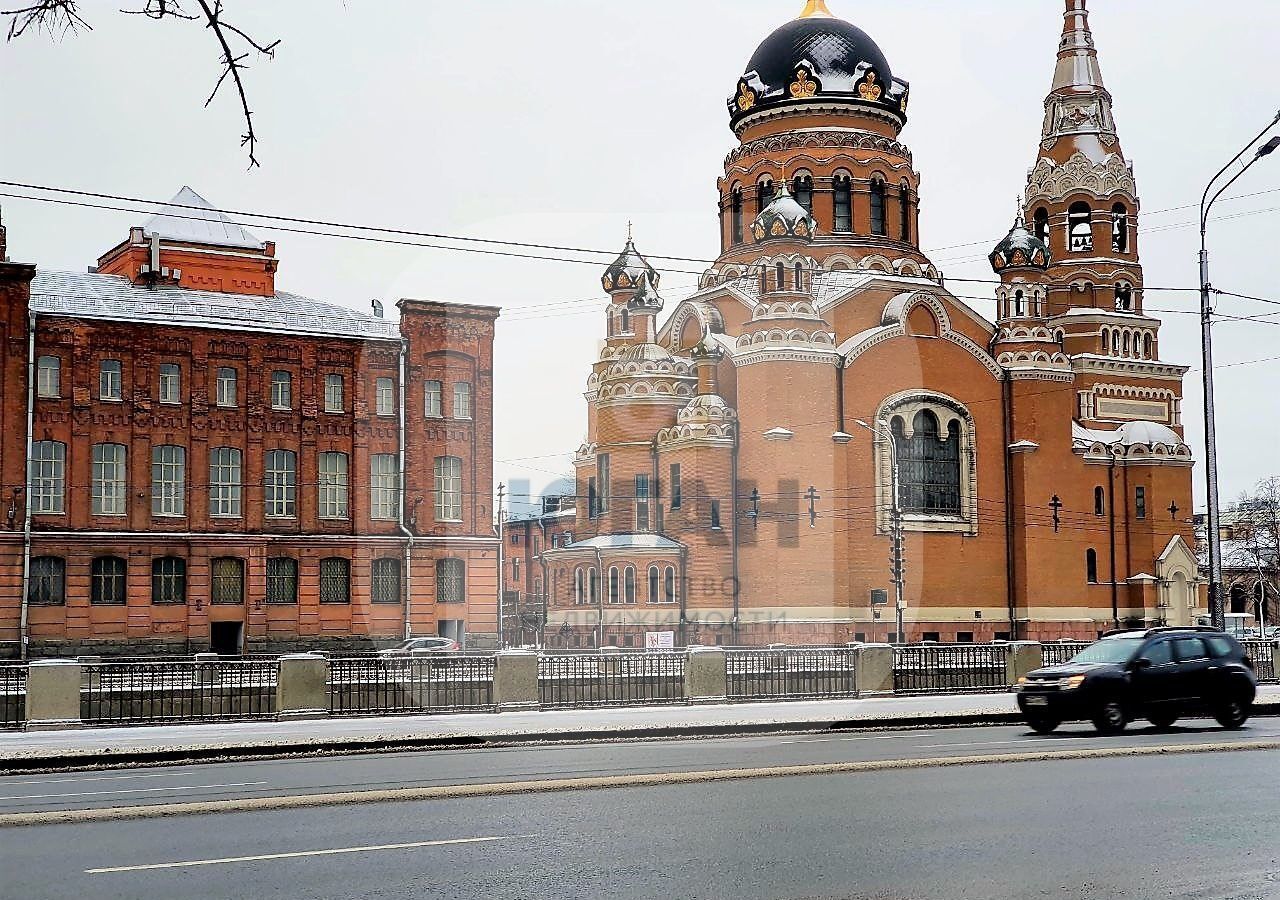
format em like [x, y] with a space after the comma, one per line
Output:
[825, 440]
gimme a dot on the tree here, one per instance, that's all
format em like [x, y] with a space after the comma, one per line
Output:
[234, 45]
[1251, 555]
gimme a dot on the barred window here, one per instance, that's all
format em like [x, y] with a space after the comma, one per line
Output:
[334, 394]
[169, 580]
[448, 489]
[281, 390]
[385, 576]
[49, 376]
[462, 400]
[107, 581]
[435, 399]
[110, 384]
[280, 497]
[48, 581]
[224, 482]
[282, 580]
[108, 477]
[226, 581]
[384, 486]
[47, 474]
[334, 481]
[385, 389]
[451, 581]
[928, 466]
[170, 383]
[168, 480]
[335, 580]
[228, 387]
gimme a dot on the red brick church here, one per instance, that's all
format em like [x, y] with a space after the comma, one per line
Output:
[754, 452]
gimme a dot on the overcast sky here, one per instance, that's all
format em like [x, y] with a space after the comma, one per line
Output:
[557, 121]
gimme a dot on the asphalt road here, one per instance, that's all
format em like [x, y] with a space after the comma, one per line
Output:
[1197, 826]
[308, 776]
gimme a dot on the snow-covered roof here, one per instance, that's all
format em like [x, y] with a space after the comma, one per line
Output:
[116, 298]
[1129, 434]
[190, 218]
[627, 542]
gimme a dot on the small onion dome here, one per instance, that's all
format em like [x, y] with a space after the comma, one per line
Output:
[1020, 249]
[629, 270]
[646, 298]
[645, 353]
[706, 349]
[783, 218]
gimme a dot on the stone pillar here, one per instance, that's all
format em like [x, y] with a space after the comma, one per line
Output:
[515, 681]
[706, 677]
[1275, 659]
[53, 695]
[302, 691]
[875, 669]
[206, 673]
[1021, 657]
[89, 677]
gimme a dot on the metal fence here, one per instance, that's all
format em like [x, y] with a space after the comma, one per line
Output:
[1059, 652]
[1264, 662]
[579, 679]
[948, 668]
[114, 693]
[372, 686]
[13, 695]
[792, 673]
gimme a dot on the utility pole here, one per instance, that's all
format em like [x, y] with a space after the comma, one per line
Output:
[502, 572]
[897, 553]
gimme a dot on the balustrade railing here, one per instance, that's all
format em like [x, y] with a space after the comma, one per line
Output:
[371, 686]
[596, 679]
[13, 694]
[948, 668]
[114, 693]
[791, 673]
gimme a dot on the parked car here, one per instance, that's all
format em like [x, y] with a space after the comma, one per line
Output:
[1159, 674]
[432, 644]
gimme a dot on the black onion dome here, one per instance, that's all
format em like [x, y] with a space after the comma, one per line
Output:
[1020, 249]
[818, 57]
[784, 218]
[628, 270]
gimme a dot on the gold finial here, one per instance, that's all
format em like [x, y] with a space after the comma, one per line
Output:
[816, 9]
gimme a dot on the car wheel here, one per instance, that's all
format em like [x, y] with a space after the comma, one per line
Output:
[1110, 717]
[1042, 725]
[1162, 720]
[1232, 714]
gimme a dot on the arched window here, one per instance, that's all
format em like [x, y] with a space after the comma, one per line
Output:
[1106, 339]
[579, 586]
[384, 575]
[764, 280]
[1080, 228]
[1119, 228]
[1125, 345]
[1019, 303]
[335, 580]
[47, 583]
[1042, 225]
[669, 585]
[1124, 297]
[904, 209]
[1115, 343]
[765, 192]
[780, 277]
[451, 581]
[799, 283]
[877, 206]
[1091, 565]
[107, 575]
[593, 585]
[735, 204]
[1147, 348]
[653, 584]
[629, 585]
[843, 222]
[804, 192]
[928, 466]
[169, 580]
[624, 321]
[1099, 501]
[613, 584]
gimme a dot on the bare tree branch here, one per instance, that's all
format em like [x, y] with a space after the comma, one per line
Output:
[233, 65]
[54, 16]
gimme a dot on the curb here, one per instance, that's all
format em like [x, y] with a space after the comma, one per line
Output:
[113, 759]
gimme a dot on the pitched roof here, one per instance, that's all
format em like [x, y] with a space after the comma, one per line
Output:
[190, 218]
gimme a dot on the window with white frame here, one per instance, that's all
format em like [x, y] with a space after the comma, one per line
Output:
[47, 477]
[281, 484]
[49, 377]
[629, 585]
[334, 485]
[281, 389]
[515, 568]
[931, 440]
[110, 380]
[435, 399]
[168, 480]
[225, 472]
[335, 580]
[334, 394]
[613, 584]
[448, 489]
[384, 487]
[227, 393]
[669, 585]
[106, 490]
[654, 577]
[385, 390]
[580, 586]
[462, 400]
[170, 383]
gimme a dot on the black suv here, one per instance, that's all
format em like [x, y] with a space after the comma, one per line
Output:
[1159, 674]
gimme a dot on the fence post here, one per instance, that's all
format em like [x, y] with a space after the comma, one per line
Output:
[205, 670]
[89, 677]
[1021, 657]
[1275, 660]
[875, 669]
[302, 687]
[53, 695]
[706, 678]
[515, 680]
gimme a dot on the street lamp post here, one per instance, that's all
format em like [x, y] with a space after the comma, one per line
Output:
[897, 568]
[1216, 607]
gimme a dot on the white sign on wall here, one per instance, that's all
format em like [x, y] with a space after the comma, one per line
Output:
[659, 640]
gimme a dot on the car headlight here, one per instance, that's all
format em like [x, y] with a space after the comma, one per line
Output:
[1071, 683]
[1022, 681]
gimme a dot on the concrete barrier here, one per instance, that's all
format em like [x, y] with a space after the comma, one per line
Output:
[875, 669]
[302, 691]
[53, 695]
[1022, 657]
[706, 678]
[515, 681]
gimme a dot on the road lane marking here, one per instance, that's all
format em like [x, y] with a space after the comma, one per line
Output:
[657, 779]
[299, 854]
[175, 787]
[99, 778]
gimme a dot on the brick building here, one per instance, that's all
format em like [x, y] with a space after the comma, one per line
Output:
[217, 464]
[744, 454]
[525, 537]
